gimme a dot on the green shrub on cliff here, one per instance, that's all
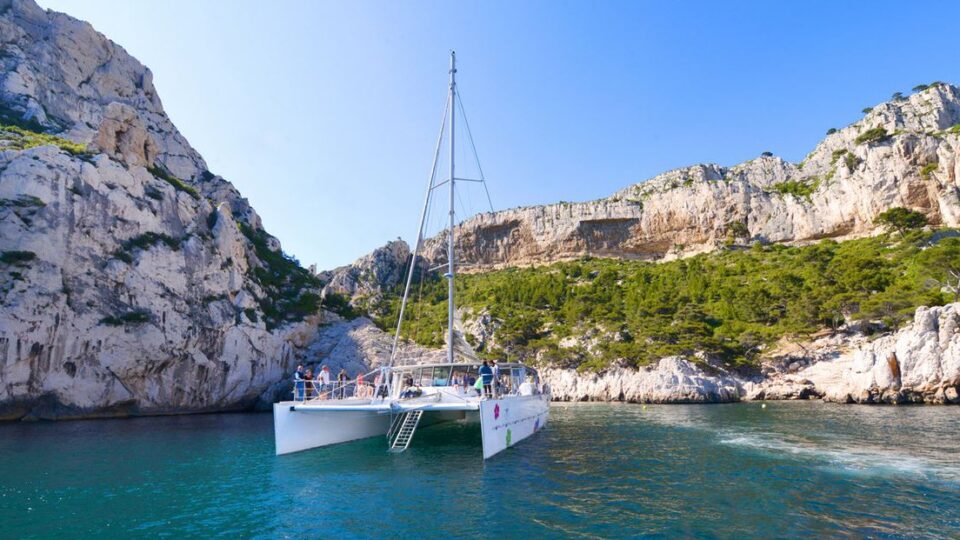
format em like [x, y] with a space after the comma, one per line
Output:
[726, 303]
[17, 257]
[796, 188]
[291, 291]
[158, 171]
[901, 219]
[19, 138]
[130, 317]
[877, 134]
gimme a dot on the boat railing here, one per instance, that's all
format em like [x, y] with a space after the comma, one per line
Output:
[375, 385]
[369, 386]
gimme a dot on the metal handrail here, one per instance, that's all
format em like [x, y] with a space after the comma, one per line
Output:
[312, 389]
[307, 390]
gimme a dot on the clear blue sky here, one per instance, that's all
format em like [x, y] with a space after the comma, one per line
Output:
[325, 114]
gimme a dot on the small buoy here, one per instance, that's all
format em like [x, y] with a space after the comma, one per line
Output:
[763, 406]
[644, 407]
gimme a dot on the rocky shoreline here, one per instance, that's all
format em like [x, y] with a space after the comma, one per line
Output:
[920, 363]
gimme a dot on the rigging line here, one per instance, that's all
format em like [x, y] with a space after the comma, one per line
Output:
[463, 113]
[423, 214]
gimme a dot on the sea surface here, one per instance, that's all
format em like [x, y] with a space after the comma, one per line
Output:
[598, 471]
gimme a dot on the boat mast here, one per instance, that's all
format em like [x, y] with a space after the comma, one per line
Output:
[451, 269]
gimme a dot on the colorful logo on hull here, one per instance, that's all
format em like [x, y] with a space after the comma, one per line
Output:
[496, 412]
[509, 436]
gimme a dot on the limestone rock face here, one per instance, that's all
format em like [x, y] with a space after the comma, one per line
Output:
[691, 210]
[124, 137]
[62, 74]
[671, 380]
[919, 363]
[369, 276]
[121, 291]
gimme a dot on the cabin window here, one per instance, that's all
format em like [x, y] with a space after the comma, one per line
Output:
[464, 375]
[425, 376]
[441, 375]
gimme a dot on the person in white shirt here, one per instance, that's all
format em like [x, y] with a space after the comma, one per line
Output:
[324, 379]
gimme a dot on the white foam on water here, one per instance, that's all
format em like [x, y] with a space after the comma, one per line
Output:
[853, 459]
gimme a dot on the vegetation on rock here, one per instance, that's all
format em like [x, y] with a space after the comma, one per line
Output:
[17, 257]
[290, 290]
[19, 138]
[130, 317]
[159, 172]
[144, 242]
[872, 135]
[727, 304]
[796, 188]
[901, 219]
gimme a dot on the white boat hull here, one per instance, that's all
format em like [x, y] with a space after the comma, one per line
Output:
[505, 422]
[295, 430]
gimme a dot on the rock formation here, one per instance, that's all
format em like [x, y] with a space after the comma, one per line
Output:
[128, 286]
[902, 153]
[671, 380]
[365, 280]
[920, 363]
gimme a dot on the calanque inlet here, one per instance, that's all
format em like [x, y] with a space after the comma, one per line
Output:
[135, 281]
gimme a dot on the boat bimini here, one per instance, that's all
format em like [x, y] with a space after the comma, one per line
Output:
[398, 398]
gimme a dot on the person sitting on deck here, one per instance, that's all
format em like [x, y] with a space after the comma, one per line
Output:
[380, 389]
[527, 388]
[298, 381]
[361, 388]
[324, 379]
[468, 382]
[486, 374]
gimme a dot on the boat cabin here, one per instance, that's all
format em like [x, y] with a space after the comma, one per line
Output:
[459, 379]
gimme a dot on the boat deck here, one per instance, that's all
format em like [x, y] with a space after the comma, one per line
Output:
[433, 399]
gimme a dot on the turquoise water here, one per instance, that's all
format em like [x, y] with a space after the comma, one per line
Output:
[790, 470]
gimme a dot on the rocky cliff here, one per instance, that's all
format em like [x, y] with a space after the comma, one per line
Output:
[903, 153]
[132, 280]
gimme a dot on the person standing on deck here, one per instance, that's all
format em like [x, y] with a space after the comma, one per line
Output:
[496, 377]
[298, 383]
[324, 379]
[308, 382]
[342, 384]
[486, 375]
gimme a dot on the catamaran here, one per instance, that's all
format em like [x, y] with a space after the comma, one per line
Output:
[408, 394]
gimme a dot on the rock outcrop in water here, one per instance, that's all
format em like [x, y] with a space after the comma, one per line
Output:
[918, 364]
[134, 281]
[903, 153]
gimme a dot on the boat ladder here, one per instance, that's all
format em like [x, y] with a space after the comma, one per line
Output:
[408, 423]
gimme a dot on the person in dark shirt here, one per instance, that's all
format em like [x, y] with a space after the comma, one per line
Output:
[298, 381]
[342, 383]
[486, 373]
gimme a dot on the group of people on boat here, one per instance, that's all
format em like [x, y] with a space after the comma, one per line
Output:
[308, 386]
[486, 380]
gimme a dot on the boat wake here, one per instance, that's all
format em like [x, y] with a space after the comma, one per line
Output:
[855, 459]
